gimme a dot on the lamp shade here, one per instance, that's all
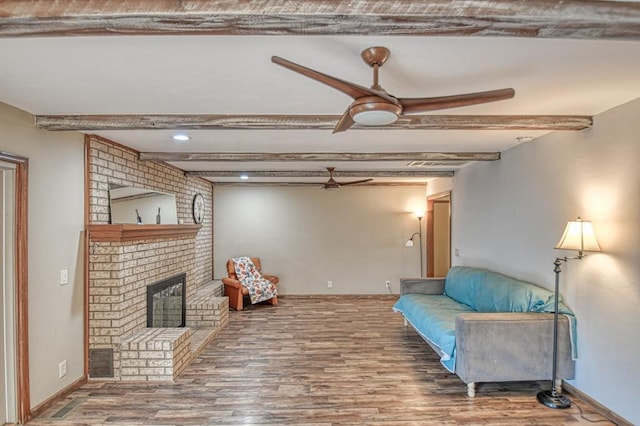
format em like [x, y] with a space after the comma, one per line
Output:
[578, 235]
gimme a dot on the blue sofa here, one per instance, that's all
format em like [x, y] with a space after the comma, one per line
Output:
[488, 327]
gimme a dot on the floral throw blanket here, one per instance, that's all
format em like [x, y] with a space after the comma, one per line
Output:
[260, 289]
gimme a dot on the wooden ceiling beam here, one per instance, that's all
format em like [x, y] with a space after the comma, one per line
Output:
[319, 156]
[321, 173]
[312, 184]
[307, 122]
[578, 19]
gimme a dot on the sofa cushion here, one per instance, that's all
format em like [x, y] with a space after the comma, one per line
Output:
[434, 318]
[460, 284]
[487, 291]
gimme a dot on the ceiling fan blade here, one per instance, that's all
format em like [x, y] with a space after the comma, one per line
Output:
[351, 89]
[344, 123]
[353, 182]
[410, 105]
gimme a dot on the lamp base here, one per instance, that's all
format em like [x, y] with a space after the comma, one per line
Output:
[553, 401]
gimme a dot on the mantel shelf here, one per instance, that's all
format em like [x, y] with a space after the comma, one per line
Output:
[119, 233]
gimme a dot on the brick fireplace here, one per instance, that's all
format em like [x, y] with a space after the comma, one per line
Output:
[125, 259]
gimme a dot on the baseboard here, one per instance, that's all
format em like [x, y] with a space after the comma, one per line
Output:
[46, 404]
[338, 296]
[601, 409]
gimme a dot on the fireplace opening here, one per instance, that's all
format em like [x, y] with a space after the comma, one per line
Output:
[166, 302]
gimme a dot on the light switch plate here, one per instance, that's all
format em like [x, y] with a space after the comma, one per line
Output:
[64, 276]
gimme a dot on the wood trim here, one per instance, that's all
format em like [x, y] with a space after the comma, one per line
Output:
[305, 122]
[22, 284]
[439, 195]
[87, 198]
[430, 238]
[213, 232]
[49, 402]
[431, 201]
[12, 158]
[319, 156]
[599, 408]
[579, 19]
[120, 233]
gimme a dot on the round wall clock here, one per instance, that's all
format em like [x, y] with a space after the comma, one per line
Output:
[198, 208]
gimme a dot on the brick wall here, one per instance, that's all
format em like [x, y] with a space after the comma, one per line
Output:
[110, 163]
[119, 272]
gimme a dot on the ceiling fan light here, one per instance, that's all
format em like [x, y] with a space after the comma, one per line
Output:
[374, 118]
[372, 111]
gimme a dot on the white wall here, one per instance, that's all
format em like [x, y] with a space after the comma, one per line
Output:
[439, 185]
[354, 236]
[509, 215]
[56, 222]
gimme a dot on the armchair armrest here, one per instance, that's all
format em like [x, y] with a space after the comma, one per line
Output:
[422, 285]
[234, 291]
[231, 282]
[272, 278]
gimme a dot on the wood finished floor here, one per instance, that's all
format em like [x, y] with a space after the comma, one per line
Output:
[313, 361]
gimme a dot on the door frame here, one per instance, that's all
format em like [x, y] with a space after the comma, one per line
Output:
[431, 201]
[21, 323]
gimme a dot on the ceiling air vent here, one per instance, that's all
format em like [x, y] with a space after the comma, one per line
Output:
[435, 163]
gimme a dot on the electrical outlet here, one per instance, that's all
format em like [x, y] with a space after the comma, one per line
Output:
[62, 369]
[329, 284]
[64, 276]
[456, 252]
[387, 284]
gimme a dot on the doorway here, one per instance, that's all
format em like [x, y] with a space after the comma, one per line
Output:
[438, 234]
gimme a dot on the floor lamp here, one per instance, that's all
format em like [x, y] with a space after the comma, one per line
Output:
[409, 243]
[578, 235]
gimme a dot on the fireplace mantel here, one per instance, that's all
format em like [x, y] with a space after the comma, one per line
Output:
[120, 233]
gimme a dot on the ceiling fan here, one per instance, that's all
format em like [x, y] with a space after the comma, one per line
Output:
[375, 107]
[331, 184]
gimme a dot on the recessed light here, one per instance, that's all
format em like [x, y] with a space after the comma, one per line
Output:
[523, 139]
[181, 137]
[244, 176]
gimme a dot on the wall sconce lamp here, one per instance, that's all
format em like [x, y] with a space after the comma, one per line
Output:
[578, 235]
[419, 214]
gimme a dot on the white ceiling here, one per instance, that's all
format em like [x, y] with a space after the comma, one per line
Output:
[234, 75]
